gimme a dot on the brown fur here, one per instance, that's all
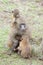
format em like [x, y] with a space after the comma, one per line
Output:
[25, 48]
[14, 36]
[14, 40]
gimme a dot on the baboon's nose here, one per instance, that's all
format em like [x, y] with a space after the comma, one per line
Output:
[22, 27]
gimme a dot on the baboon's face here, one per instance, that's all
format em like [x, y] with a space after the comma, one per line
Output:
[22, 27]
[18, 37]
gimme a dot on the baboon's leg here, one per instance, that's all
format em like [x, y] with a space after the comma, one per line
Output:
[10, 44]
[23, 54]
[14, 46]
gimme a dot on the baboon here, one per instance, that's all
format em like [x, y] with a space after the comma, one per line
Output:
[18, 29]
[24, 48]
[15, 36]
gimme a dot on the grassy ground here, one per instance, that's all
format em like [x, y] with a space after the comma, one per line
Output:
[33, 12]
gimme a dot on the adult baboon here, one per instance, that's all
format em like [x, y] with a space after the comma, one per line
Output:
[18, 29]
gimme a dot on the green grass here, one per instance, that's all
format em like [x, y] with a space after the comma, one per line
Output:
[37, 30]
[14, 59]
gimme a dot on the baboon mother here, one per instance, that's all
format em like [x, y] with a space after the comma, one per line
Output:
[18, 29]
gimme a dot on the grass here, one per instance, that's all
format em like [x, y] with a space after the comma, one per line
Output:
[14, 59]
[37, 30]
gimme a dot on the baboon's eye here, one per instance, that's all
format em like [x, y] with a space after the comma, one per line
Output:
[23, 26]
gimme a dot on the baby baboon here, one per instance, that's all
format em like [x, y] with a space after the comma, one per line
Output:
[18, 29]
[24, 48]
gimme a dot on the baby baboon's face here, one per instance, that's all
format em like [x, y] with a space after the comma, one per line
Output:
[18, 37]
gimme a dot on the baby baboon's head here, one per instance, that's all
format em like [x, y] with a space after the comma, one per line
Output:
[16, 13]
[18, 37]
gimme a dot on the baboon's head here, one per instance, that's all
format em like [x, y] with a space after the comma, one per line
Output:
[15, 13]
[19, 23]
[18, 37]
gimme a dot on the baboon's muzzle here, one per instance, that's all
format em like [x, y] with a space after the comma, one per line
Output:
[22, 26]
